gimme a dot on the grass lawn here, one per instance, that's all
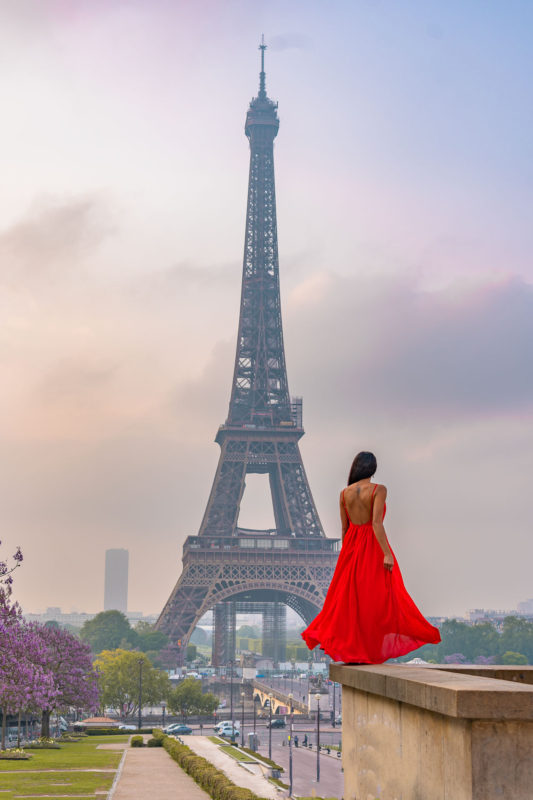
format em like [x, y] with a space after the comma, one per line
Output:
[50, 783]
[237, 754]
[20, 778]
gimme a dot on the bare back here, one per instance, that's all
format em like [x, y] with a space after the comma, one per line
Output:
[364, 500]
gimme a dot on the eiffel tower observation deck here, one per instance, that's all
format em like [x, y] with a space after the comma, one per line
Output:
[225, 567]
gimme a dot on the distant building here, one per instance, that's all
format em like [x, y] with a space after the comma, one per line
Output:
[78, 618]
[116, 580]
[525, 608]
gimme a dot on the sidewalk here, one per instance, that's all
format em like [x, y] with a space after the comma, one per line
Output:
[150, 772]
[239, 775]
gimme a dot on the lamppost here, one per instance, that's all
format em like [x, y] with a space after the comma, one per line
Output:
[333, 720]
[231, 690]
[140, 663]
[255, 712]
[270, 726]
[317, 698]
[290, 745]
[242, 719]
[163, 706]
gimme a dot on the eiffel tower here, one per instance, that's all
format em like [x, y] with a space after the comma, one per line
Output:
[227, 568]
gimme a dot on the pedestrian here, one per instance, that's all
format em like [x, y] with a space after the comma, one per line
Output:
[296, 741]
[305, 741]
[368, 616]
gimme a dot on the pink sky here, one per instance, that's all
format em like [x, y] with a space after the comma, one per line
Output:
[404, 194]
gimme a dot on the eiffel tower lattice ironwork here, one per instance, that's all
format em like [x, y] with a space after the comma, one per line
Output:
[225, 564]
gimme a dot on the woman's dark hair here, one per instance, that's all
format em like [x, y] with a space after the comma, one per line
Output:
[364, 465]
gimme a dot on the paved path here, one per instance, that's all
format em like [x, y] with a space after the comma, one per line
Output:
[151, 772]
[239, 775]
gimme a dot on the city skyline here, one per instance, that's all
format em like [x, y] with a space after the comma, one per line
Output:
[405, 262]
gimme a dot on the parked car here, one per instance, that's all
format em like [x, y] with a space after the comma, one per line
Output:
[229, 732]
[127, 727]
[277, 722]
[177, 729]
[227, 723]
[338, 720]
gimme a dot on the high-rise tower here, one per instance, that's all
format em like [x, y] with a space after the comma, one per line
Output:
[116, 580]
[228, 567]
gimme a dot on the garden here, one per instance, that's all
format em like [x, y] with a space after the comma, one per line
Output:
[77, 768]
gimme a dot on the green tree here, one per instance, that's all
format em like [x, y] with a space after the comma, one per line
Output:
[187, 698]
[248, 632]
[513, 658]
[517, 637]
[191, 652]
[107, 631]
[118, 678]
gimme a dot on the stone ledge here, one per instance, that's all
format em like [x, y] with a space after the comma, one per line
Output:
[450, 692]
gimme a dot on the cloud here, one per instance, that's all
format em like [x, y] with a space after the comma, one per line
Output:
[76, 382]
[53, 238]
[288, 41]
[388, 349]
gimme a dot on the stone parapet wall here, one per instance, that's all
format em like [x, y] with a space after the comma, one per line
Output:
[426, 733]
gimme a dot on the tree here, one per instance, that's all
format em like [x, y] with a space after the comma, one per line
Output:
[69, 662]
[118, 680]
[7, 570]
[513, 658]
[187, 698]
[25, 684]
[248, 632]
[517, 637]
[107, 631]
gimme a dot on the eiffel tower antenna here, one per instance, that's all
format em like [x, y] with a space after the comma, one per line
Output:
[228, 568]
[262, 47]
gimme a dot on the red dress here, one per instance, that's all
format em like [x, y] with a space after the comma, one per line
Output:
[367, 616]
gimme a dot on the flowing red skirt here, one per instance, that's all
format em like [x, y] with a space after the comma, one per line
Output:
[368, 616]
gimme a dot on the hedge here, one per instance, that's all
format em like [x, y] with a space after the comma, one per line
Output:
[137, 741]
[262, 758]
[113, 731]
[211, 779]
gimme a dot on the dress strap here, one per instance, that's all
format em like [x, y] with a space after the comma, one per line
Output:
[344, 504]
[372, 502]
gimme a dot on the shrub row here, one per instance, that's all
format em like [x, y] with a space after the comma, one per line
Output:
[262, 758]
[215, 783]
[112, 731]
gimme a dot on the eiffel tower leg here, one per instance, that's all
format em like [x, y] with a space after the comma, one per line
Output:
[219, 619]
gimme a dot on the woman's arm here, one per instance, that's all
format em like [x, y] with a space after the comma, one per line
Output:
[344, 519]
[379, 528]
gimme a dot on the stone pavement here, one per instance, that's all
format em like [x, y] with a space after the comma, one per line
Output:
[150, 772]
[239, 775]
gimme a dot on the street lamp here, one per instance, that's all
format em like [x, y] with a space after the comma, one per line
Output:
[242, 719]
[231, 690]
[270, 726]
[163, 706]
[140, 663]
[290, 746]
[255, 713]
[317, 698]
[333, 720]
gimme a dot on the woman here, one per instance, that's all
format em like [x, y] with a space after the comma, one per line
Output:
[368, 615]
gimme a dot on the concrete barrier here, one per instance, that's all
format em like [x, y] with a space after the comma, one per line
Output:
[436, 733]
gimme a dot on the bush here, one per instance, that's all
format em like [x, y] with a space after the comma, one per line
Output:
[215, 783]
[112, 731]
[158, 734]
[154, 742]
[137, 741]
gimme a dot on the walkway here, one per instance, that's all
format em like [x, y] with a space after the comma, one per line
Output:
[239, 775]
[151, 772]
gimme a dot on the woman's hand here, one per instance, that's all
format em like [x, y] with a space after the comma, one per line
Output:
[388, 562]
